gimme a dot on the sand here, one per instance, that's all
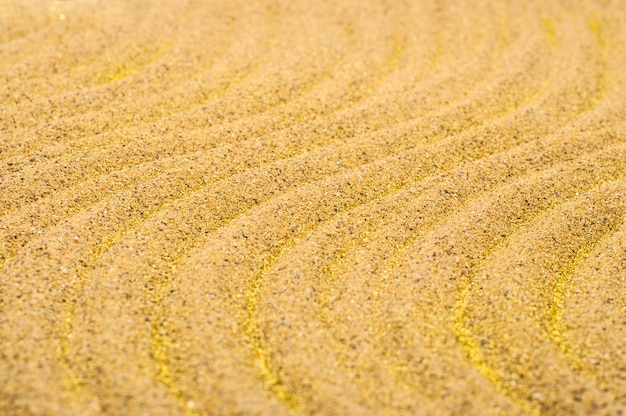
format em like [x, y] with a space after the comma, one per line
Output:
[312, 207]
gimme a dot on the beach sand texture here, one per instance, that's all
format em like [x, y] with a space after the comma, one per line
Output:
[263, 207]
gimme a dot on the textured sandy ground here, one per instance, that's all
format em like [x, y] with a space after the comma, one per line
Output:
[312, 207]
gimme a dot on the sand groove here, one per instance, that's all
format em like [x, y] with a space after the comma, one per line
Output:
[332, 207]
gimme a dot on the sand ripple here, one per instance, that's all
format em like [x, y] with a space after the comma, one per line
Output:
[331, 207]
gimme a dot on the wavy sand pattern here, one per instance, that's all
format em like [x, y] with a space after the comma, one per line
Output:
[312, 207]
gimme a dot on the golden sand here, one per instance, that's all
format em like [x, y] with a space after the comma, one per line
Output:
[312, 207]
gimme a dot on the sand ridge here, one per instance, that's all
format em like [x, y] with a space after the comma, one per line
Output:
[260, 207]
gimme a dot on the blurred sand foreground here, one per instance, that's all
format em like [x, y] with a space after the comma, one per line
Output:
[312, 207]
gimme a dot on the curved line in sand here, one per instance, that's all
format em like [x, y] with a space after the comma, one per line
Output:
[391, 170]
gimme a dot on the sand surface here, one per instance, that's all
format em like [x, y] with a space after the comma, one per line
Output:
[262, 207]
